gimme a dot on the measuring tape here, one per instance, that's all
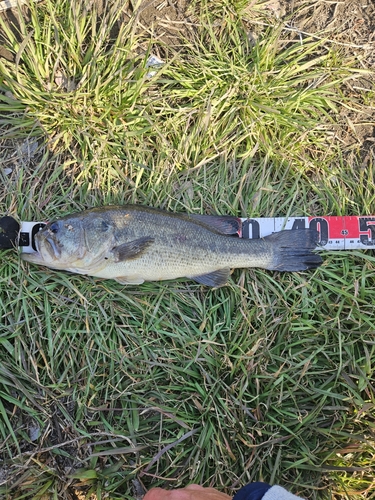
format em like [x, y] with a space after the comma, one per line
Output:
[335, 232]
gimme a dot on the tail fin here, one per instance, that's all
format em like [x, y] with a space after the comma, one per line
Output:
[293, 250]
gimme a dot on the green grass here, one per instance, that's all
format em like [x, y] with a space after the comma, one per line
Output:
[269, 378]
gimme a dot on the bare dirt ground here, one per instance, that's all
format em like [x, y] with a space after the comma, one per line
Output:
[349, 23]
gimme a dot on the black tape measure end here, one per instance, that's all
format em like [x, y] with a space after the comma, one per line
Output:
[9, 232]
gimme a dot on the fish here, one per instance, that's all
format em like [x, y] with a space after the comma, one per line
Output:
[134, 243]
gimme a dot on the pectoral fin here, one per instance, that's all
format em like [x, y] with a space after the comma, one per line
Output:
[131, 249]
[215, 279]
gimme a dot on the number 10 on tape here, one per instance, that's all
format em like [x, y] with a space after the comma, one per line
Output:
[335, 232]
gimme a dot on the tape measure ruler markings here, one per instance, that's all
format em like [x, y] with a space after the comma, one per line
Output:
[336, 232]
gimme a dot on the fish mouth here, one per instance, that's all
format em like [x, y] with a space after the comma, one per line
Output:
[48, 252]
[47, 247]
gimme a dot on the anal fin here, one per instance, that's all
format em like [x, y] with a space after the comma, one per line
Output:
[124, 280]
[215, 279]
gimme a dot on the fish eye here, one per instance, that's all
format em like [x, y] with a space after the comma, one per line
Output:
[54, 227]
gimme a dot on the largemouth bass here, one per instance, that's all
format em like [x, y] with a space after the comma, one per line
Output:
[133, 244]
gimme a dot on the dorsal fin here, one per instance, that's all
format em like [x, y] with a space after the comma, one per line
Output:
[223, 224]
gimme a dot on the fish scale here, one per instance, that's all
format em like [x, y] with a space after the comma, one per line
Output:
[180, 246]
[133, 244]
